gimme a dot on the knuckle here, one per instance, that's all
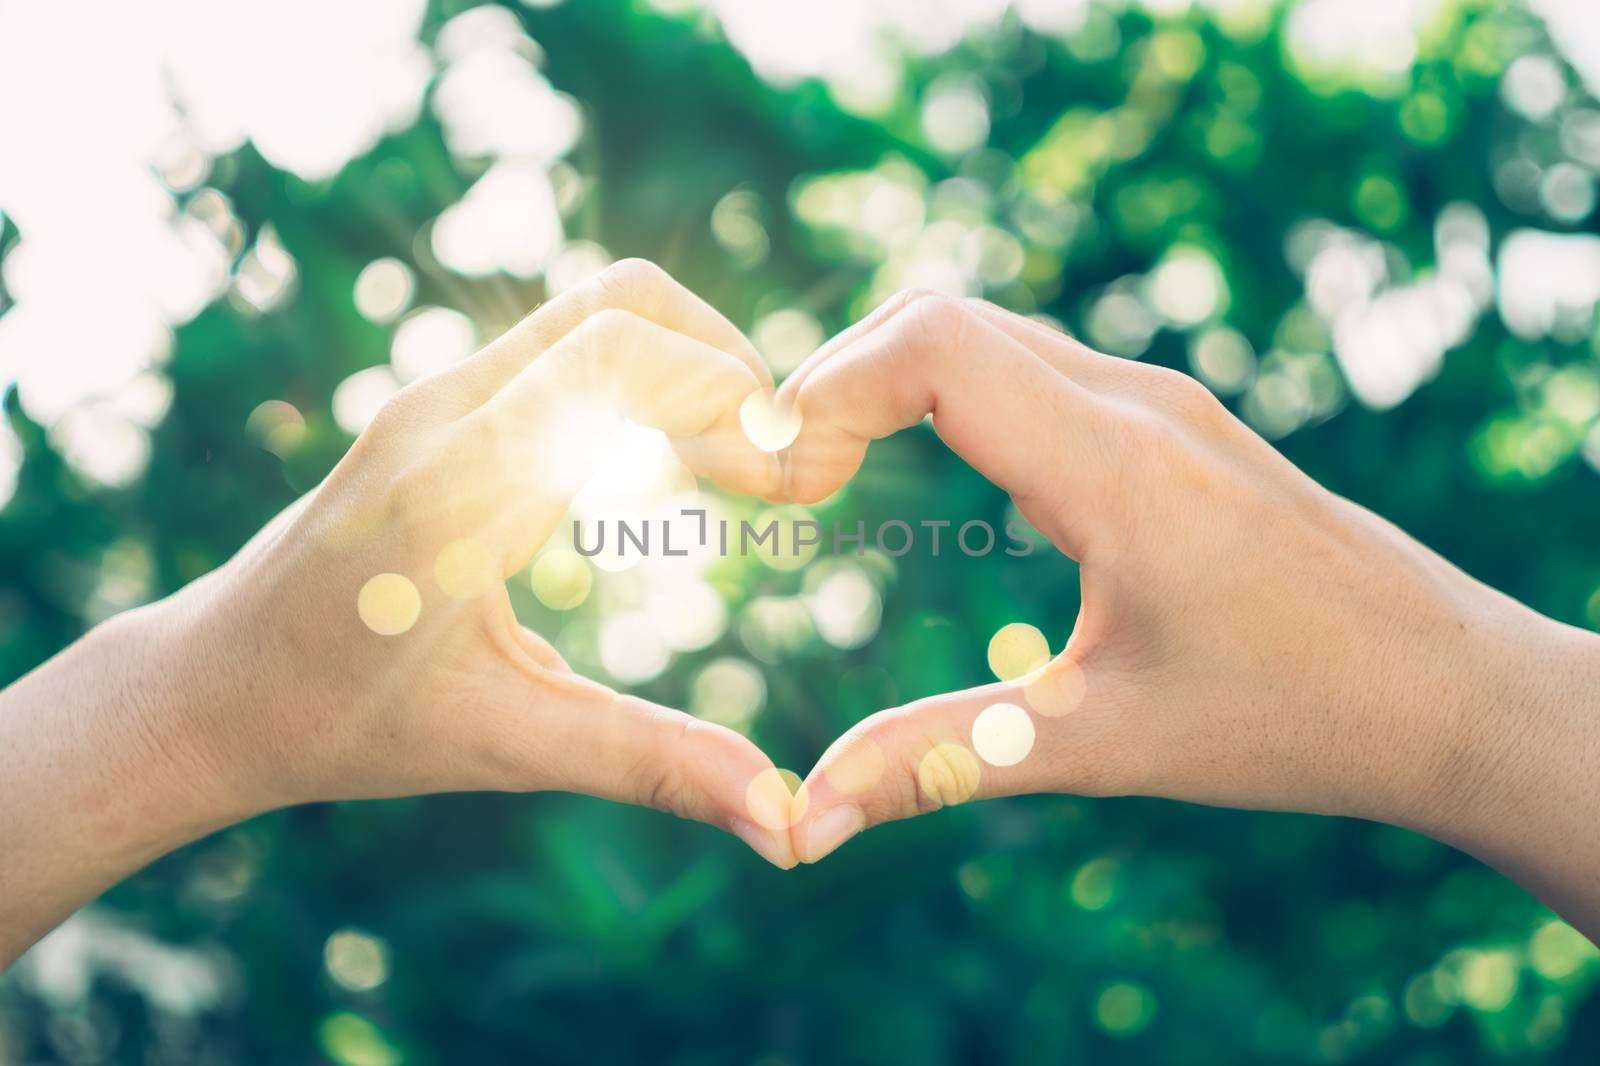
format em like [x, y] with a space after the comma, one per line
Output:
[906, 297]
[658, 780]
[1182, 395]
[400, 414]
[607, 324]
[598, 343]
[904, 796]
[635, 281]
[936, 320]
[1170, 445]
[933, 769]
[946, 775]
[928, 331]
[492, 436]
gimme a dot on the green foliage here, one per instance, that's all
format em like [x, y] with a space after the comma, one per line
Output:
[552, 928]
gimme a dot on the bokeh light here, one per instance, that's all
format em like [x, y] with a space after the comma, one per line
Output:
[769, 423]
[428, 340]
[728, 691]
[775, 800]
[1017, 649]
[948, 774]
[359, 397]
[1055, 689]
[466, 569]
[1368, 226]
[1124, 1008]
[846, 606]
[689, 614]
[785, 337]
[278, 426]
[389, 604]
[561, 579]
[356, 960]
[1002, 734]
[631, 647]
[383, 290]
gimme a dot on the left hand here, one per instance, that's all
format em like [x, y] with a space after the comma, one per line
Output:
[1246, 637]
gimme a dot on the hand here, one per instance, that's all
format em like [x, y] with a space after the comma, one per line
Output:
[364, 645]
[453, 488]
[1245, 639]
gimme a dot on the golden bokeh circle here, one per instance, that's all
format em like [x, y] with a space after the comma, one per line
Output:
[1056, 690]
[948, 774]
[799, 798]
[1002, 734]
[389, 604]
[1016, 650]
[561, 579]
[466, 569]
[775, 799]
[770, 424]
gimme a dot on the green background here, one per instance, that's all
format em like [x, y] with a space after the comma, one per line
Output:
[1043, 929]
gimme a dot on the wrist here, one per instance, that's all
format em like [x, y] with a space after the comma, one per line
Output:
[1516, 780]
[94, 750]
[162, 726]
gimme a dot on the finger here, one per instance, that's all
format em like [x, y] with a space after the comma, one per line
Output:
[546, 431]
[880, 314]
[1030, 429]
[635, 368]
[633, 285]
[1048, 733]
[1055, 347]
[576, 735]
[1068, 355]
[1146, 385]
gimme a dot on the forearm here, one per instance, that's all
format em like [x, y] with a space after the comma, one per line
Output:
[1522, 784]
[97, 775]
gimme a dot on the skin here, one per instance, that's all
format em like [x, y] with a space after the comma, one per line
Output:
[1246, 638]
[259, 687]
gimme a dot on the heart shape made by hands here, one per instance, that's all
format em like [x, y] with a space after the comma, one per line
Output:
[638, 504]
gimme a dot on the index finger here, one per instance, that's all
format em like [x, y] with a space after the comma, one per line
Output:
[1030, 429]
[636, 286]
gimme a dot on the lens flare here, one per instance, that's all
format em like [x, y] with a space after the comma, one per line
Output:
[1016, 650]
[1056, 690]
[466, 569]
[389, 604]
[948, 774]
[771, 424]
[561, 579]
[1003, 734]
[728, 691]
[775, 799]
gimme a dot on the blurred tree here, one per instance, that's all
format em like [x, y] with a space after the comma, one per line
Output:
[1376, 240]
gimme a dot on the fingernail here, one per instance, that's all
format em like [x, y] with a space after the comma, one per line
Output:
[763, 842]
[831, 829]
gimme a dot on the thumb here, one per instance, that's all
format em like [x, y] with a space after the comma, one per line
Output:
[1047, 732]
[589, 739]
